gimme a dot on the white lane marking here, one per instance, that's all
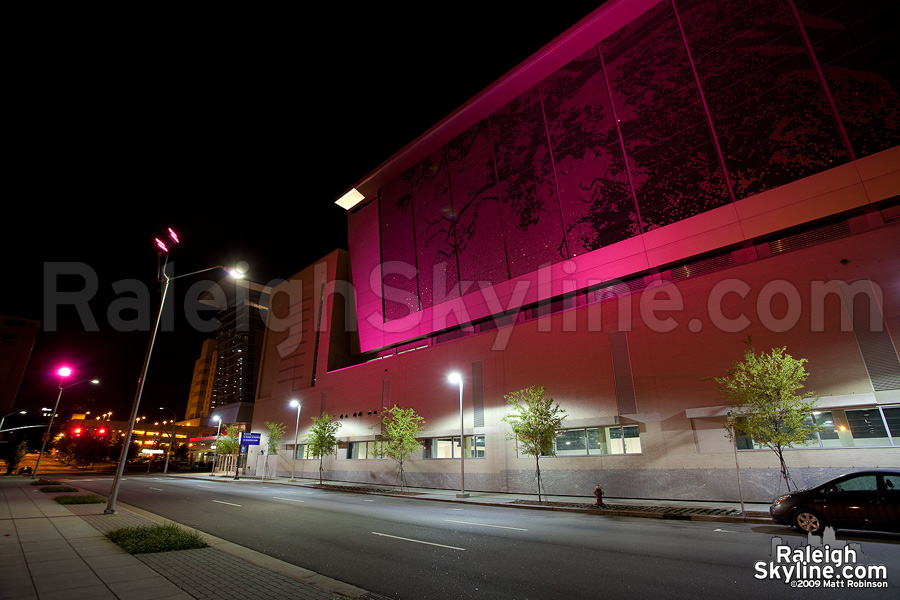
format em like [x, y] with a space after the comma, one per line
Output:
[416, 541]
[288, 499]
[228, 503]
[157, 489]
[206, 486]
[368, 501]
[485, 525]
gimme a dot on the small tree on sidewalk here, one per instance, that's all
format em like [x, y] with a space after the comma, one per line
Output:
[228, 443]
[321, 439]
[535, 421]
[399, 435]
[767, 407]
[276, 432]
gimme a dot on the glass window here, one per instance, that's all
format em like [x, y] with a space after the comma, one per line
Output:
[862, 483]
[892, 485]
[571, 442]
[363, 450]
[302, 452]
[599, 441]
[449, 447]
[867, 427]
[892, 419]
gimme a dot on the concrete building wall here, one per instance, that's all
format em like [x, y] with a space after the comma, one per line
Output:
[680, 416]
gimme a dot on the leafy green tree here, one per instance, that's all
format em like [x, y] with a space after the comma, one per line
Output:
[322, 439]
[535, 421]
[229, 442]
[181, 453]
[767, 405]
[276, 433]
[13, 454]
[399, 438]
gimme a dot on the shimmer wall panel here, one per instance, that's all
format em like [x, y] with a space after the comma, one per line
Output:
[532, 224]
[398, 249]
[476, 209]
[633, 134]
[855, 42]
[596, 201]
[671, 155]
[435, 243]
[769, 110]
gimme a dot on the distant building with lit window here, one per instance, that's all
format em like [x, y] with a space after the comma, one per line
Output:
[242, 306]
[611, 220]
[200, 398]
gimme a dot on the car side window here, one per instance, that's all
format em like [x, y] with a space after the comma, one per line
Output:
[892, 484]
[862, 483]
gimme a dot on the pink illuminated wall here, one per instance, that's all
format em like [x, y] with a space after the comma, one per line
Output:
[686, 110]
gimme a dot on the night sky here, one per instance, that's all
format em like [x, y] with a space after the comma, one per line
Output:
[238, 130]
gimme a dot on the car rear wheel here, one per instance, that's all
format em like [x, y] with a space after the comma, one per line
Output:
[808, 521]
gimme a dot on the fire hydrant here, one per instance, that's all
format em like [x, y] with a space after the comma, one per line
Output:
[598, 492]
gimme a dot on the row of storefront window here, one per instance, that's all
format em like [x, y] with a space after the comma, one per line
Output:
[586, 441]
[874, 426]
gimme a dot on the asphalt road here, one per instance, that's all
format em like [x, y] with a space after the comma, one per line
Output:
[413, 549]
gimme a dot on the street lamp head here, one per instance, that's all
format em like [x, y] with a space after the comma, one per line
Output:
[95, 381]
[455, 377]
[217, 418]
[64, 372]
[295, 404]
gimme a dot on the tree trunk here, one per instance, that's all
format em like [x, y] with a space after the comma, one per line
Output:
[321, 469]
[537, 472]
[784, 470]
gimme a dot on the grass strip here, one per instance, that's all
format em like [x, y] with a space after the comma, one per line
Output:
[89, 499]
[155, 538]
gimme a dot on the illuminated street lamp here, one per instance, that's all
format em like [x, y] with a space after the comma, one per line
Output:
[63, 372]
[171, 439]
[164, 249]
[212, 472]
[296, 437]
[15, 412]
[457, 378]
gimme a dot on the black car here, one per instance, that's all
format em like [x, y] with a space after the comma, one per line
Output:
[862, 500]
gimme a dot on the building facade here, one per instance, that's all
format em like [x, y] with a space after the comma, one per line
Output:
[611, 220]
[200, 398]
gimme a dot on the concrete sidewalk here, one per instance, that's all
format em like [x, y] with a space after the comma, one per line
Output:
[55, 552]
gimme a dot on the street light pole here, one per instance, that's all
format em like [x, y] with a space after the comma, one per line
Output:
[117, 481]
[63, 373]
[171, 439]
[212, 472]
[3, 419]
[457, 378]
[296, 437]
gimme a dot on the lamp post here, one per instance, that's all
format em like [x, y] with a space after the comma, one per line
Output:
[171, 439]
[164, 251]
[3, 419]
[212, 472]
[457, 378]
[63, 372]
[296, 437]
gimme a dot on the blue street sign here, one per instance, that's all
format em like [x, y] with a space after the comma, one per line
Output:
[249, 439]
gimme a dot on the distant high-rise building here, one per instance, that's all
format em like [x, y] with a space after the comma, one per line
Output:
[238, 341]
[200, 400]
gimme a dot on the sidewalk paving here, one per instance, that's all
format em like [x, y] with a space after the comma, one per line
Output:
[55, 552]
